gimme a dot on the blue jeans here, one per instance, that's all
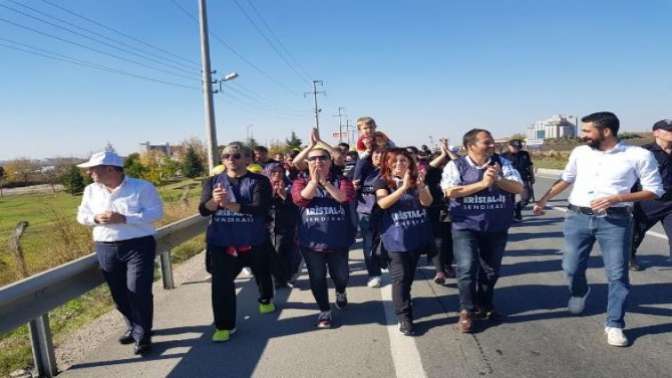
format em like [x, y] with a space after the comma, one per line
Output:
[614, 235]
[370, 241]
[478, 257]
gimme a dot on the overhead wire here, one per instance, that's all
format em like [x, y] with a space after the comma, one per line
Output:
[93, 49]
[270, 43]
[190, 66]
[109, 45]
[277, 39]
[235, 52]
[109, 28]
[64, 58]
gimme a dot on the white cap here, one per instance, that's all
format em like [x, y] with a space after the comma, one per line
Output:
[103, 158]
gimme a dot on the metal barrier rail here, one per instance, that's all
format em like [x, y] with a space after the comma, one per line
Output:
[31, 299]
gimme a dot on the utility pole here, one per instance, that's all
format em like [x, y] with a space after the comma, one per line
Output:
[315, 92]
[340, 124]
[210, 127]
[347, 132]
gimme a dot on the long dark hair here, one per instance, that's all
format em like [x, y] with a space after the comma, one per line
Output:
[388, 160]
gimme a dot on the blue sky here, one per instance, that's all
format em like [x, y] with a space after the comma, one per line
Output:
[420, 68]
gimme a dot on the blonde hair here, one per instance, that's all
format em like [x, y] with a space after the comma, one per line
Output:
[365, 121]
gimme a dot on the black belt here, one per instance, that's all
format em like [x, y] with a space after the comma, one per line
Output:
[621, 210]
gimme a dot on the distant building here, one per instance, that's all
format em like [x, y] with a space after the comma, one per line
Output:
[173, 151]
[558, 126]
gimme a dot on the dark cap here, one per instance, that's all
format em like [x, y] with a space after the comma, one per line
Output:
[516, 143]
[665, 124]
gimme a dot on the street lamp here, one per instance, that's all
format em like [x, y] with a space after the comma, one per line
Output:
[227, 77]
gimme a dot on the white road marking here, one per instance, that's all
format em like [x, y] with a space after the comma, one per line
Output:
[405, 354]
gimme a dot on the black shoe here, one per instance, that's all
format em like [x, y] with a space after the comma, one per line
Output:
[126, 338]
[406, 328]
[142, 347]
[634, 265]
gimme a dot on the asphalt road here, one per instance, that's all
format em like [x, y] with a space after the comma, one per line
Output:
[539, 338]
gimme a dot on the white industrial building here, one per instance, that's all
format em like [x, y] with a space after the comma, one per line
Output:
[558, 126]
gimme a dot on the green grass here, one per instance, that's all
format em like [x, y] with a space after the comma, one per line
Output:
[51, 215]
[550, 163]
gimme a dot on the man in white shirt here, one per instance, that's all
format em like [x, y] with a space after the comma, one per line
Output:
[600, 207]
[122, 211]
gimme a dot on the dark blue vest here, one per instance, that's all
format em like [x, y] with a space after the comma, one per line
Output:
[405, 226]
[366, 198]
[488, 210]
[227, 228]
[326, 224]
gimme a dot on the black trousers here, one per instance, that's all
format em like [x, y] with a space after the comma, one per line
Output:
[287, 259]
[402, 272]
[645, 215]
[443, 246]
[128, 268]
[317, 264]
[225, 269]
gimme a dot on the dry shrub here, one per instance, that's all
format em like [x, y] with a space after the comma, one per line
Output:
[68, 239]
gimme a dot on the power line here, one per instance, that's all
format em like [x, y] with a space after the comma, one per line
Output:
[109, 28]
[64, 58]
[235, 52]
[92, 48]
[275, 36]
[172, 67]
[122, 43]
[270, 43]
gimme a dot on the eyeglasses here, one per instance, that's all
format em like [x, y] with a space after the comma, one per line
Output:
[235, 156]
[318, 157]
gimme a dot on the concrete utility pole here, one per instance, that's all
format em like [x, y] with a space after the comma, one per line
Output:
[340, 123]
[315, 92]
[210, 127]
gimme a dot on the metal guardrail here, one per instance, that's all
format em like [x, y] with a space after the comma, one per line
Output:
[31, 299]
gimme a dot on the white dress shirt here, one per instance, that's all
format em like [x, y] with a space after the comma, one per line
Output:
[451, 175]
[138, 200]
[596, 173]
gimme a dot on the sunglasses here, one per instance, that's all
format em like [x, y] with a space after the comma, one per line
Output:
[318, 157]
[235, 156]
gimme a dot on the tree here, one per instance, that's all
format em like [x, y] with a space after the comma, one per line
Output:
[293, 142]
[2, 178]
[72, 180]
[518, 136]
[192, 165]
[133, 167]
[251, 143]
[20, 170]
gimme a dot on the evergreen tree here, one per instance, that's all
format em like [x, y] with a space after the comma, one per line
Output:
[73, 181]
[192, 166]
[133, 167]
[293, 142]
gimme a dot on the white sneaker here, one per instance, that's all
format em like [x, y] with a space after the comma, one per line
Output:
[615, 336]
[247, 271]
[373, 282]
[576, 305]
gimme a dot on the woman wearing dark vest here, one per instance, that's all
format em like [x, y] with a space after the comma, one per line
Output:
[439, 216]
[283, 221]
[366, 174]
[326, 231]
[238, 203]
[405, 230]
[481, 187]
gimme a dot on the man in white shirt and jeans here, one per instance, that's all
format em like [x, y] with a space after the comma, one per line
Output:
[122, 211]
[600, 208]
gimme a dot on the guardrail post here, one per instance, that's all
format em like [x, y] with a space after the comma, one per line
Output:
[43, 349]
[167, 270]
